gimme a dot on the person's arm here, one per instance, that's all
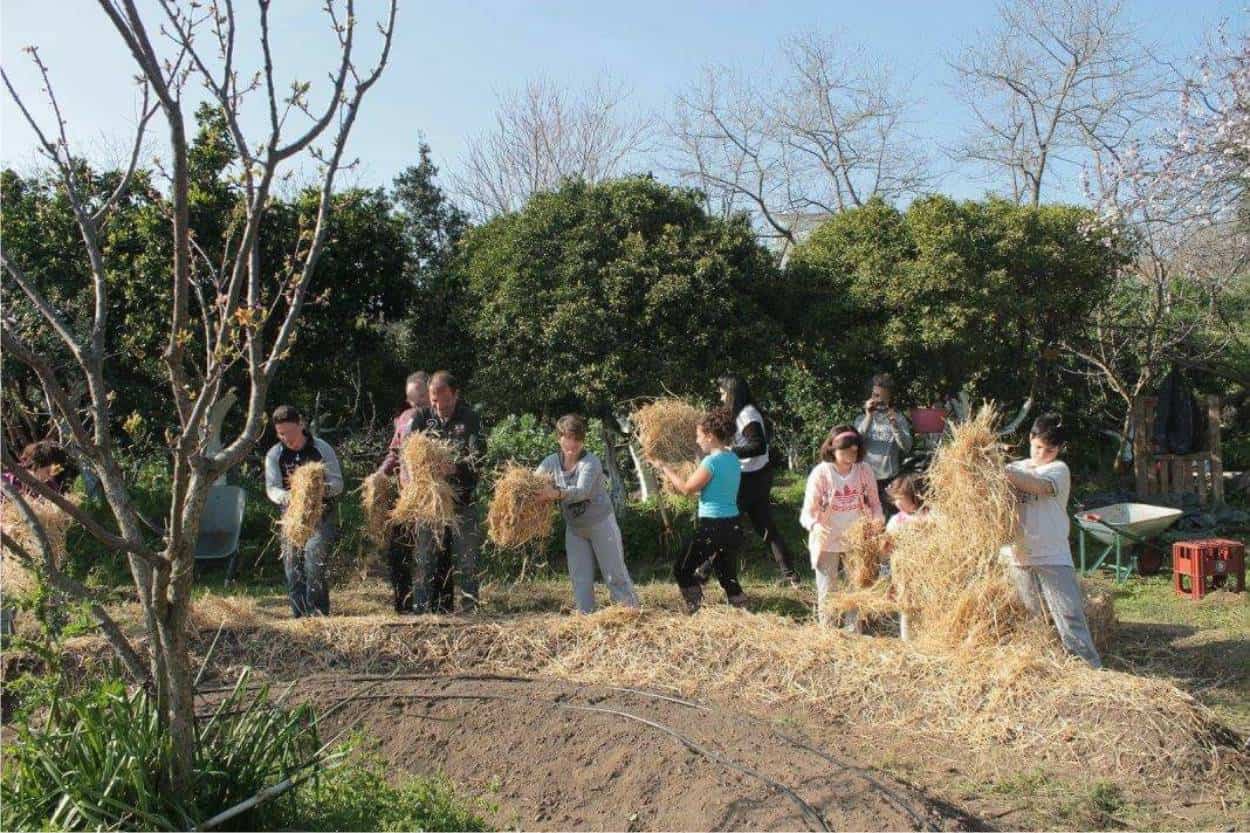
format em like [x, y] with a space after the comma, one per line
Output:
[474, 448]
[1030, 483]
[864, 423]
[390, 463]
[589, 472]
[753, 443]
[692, 485]
[273, 479]
[871, 495]
[902, 432]
[334, 472]
[807, 515]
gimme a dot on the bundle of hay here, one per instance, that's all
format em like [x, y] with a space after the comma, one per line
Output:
[377, 499]
[1100, 614]
[426, 499]
[665, 431]
[15, 578]
[517, 516]
[303, 513]
[948, 570]
[865, 543]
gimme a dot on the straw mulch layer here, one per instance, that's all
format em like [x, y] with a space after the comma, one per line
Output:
[426, 499]
[996, 705]
[303, 514]
[517, 516]
[14, 577]
[377, 500]
[665, 431]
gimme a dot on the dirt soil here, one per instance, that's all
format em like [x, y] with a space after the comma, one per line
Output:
[553, 755]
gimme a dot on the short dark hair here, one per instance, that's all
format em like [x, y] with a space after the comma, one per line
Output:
[719, 423]
[837, 440]
[883, 380]
[286, 413]
[908, 486]
[1049, 428]
[572, 425]
[418, 378]
[444, 377]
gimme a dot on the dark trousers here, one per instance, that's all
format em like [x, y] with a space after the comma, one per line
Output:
[409, 550]
[715, 546]
[307, 584]
[754, 501]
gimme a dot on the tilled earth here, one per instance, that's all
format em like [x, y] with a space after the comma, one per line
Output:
[554, 755]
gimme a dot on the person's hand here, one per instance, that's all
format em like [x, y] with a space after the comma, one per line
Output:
[447, 469]
[892, 413]
[868, 403]
[549, 493]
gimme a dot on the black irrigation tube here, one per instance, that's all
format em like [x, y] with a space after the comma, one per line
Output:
[889, 794]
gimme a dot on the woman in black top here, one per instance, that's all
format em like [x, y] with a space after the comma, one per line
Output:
[751, 447]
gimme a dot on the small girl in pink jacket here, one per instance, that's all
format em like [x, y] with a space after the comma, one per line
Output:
[840, 490]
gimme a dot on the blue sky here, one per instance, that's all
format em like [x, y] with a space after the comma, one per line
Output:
[452, 58]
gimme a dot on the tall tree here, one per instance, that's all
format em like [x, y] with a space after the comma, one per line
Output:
[545, 133]
[247, 321]
[1051, 81]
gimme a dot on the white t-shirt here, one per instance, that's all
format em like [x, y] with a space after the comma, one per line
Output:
[1044, 519]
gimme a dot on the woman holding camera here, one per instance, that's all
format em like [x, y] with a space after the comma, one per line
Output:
[886, 433]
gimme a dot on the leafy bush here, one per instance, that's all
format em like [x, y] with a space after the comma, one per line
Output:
[522, 439]
[358, 796]
[101, 761]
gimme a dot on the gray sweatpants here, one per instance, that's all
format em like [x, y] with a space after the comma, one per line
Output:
[599, 543]
[1053, 590]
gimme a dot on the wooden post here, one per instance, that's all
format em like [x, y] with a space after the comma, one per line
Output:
[1141, 448]
[1213, 447]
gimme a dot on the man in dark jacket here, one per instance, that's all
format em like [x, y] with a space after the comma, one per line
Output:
[451, 419]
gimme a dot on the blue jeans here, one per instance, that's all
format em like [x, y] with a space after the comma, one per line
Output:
[306, 581]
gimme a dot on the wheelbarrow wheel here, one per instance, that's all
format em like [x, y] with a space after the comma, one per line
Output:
[1149, 560]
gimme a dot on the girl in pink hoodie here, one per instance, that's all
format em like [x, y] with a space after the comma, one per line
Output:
[840, 490]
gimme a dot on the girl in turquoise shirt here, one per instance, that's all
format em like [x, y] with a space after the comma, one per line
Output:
[718, 536]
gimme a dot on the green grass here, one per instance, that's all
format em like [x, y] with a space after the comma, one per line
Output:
[359, 796]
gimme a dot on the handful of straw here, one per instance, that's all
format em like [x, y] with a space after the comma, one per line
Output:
[865, 543]
[15, 577]
[377, 498]
[665, 431]
[426, 499]
[303, 513]
[517, 515]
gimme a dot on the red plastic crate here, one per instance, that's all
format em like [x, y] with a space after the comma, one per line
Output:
[1207, 565]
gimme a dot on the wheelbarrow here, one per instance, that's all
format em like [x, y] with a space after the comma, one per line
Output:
[1119, 528]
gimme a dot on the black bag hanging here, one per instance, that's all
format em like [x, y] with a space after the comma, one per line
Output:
[1178, 421]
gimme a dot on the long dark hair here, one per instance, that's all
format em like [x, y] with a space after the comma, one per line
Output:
[739, 392]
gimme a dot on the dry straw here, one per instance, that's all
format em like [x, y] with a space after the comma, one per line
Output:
[426, 499]
[303, 513]
[377, 499]
[15, 578]
[665, 431]
[865, 544]
[518, 516]
[1001, 704]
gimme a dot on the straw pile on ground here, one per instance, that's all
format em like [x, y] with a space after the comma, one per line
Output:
[665, 431]
[1006, 703]
[517, 516]
[14, 577]
[303, 513]
[426, 499]
[377, 499]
